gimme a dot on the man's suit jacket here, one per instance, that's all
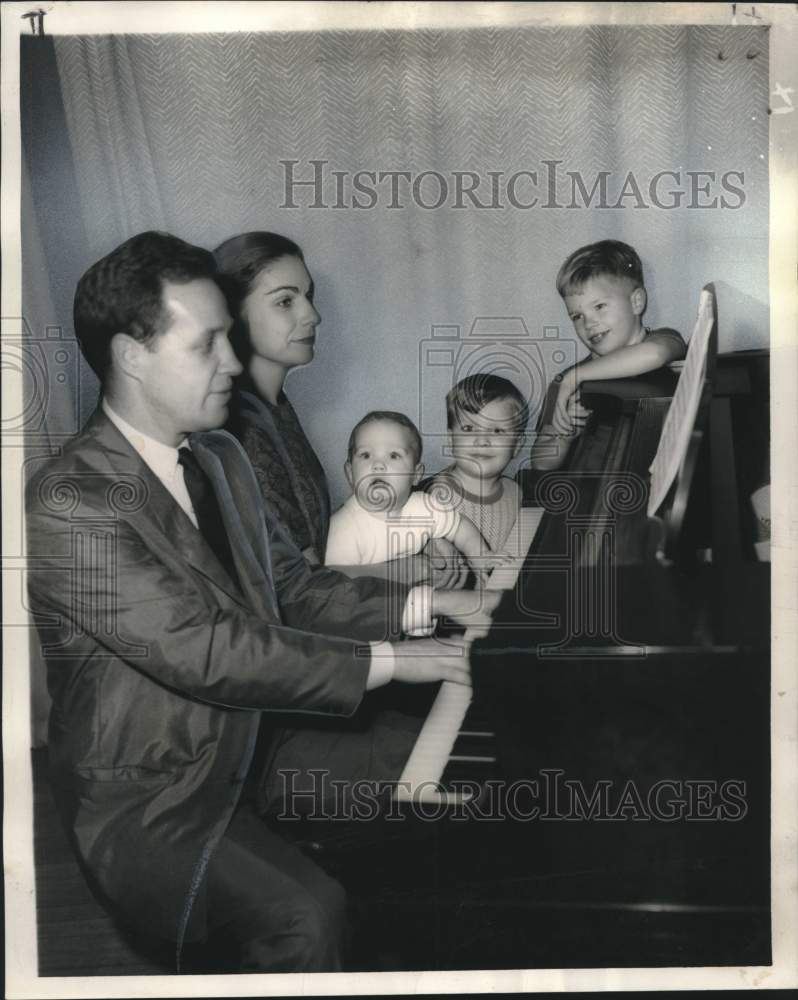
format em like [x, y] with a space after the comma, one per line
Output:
[159, 667]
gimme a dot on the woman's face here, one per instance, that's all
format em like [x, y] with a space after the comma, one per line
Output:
[280, 314]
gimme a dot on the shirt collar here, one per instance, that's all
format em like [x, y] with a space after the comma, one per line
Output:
[160, 457]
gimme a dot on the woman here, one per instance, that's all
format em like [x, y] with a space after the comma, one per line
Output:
[270, 295]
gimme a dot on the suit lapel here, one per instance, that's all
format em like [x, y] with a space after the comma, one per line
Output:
[159, 518]
[240, 502]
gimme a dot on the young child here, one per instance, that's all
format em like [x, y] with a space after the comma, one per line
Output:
[486, 416]
[602, 286]
[383, 520]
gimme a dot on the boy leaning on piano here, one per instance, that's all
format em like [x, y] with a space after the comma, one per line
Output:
[603, 290]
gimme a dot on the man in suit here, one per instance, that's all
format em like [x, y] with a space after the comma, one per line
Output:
[177, 621]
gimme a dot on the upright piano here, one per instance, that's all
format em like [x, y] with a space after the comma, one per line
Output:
[612, 763]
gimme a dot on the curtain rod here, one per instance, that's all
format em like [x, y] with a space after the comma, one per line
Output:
[36, 18]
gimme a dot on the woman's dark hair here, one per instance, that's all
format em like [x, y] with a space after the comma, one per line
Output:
[239, 261]
[123, 292]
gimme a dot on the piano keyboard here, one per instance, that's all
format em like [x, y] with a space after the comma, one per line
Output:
[434, 749]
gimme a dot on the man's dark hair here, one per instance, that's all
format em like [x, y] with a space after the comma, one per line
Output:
[475, 391]
[123, 292]
[611, 257]
[394, 417]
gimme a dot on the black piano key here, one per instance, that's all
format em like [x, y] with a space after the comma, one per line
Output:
[481, 746]
[473, 758]
[477, 719]
[468, 775]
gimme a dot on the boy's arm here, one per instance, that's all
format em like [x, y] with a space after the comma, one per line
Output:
[469, 540]
[556, 430]
[659, 348]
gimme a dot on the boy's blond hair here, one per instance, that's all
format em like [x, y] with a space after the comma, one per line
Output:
[610, 257]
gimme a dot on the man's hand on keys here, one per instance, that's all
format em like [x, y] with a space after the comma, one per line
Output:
[471, 608]
[422, 661]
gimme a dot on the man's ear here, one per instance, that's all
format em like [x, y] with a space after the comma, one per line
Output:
[126, 353]
[348, 474]
[639, 299]
[417, 475]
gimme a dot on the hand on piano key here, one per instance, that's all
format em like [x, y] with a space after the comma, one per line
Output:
[426, 660]
[484, 565]
[471, 608]
[448, 566]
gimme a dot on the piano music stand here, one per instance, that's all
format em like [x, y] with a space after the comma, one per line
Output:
[674, 507]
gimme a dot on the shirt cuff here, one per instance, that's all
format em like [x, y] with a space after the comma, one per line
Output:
[381, 667]
[417, 616]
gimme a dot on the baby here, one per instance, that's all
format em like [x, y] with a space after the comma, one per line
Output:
[383, 519]
[602, 286]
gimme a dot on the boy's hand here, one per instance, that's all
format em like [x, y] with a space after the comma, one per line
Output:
[487, 563]
[448, 565]
[569, 417]
[422, 661]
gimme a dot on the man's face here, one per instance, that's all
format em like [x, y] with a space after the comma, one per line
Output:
[606, 313]
[186, 373]
[383, 468]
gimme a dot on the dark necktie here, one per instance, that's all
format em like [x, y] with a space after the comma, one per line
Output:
[206, 510]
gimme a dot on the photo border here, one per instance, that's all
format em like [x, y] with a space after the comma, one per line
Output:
[22, 980]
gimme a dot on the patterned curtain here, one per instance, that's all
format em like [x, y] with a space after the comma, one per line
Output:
[187, 133]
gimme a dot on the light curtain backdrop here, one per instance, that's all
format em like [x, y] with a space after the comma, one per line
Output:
[186, 133]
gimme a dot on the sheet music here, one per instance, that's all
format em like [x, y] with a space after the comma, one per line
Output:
[681, 415]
